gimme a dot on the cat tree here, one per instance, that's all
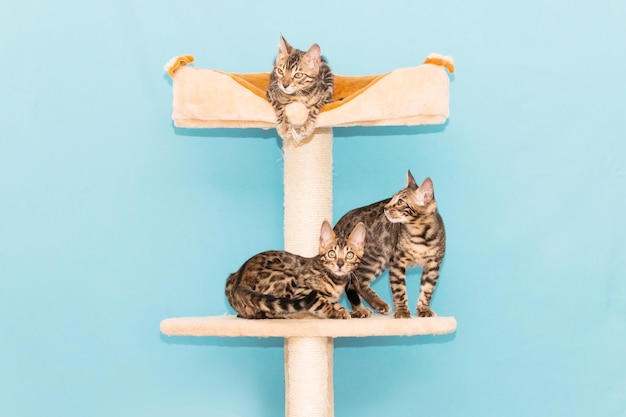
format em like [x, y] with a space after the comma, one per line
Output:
[205, 98]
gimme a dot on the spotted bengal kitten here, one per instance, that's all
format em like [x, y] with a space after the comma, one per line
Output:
[279, 284]
[403, 231]
[303, 77]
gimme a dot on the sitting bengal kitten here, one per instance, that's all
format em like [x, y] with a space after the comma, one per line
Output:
[279, 284]
[403, 231]
[303, 77]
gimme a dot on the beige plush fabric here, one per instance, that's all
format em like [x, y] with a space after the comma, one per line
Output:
[231, 326]
[205, 98]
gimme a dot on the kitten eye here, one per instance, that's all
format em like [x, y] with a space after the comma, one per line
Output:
[332, 254]
[279, 71]
[298, 75]
[350, 255]
[401, 202]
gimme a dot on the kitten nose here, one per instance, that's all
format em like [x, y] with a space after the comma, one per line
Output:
[339, 263]
[285, 83]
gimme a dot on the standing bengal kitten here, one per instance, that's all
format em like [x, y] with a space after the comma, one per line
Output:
[279, 284]
[403, 231]
[303, 77]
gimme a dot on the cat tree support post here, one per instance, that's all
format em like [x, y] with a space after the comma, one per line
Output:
[308, 168]
[213, 99]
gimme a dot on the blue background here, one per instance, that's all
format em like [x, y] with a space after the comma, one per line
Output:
[111, 219]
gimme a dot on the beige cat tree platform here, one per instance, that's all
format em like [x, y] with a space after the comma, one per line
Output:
[205, 98]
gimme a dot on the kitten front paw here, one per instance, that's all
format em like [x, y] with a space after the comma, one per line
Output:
[402, 314]
[425, 312]
[361, 313]
[288, 132]
[382, 307]
[300, 133]
[296, 134]
[284, 131]
[339, 314]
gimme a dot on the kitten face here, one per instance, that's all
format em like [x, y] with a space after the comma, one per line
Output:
[341, 258]
[411, 202]
[296, 70]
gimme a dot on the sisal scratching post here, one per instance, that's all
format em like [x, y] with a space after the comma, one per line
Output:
[308, 177]
[308, 202]
[309, 377]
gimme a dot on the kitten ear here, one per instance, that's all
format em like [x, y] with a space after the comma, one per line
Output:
[410, 181]
[327, 235]
[357, 236]
[313, 56]
[425, 193]
[284, 49]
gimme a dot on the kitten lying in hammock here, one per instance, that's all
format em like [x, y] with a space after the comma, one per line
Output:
[303, 77]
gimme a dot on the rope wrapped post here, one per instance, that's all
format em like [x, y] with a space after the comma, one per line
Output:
[308, 168]
[308, 178]
[309, 377]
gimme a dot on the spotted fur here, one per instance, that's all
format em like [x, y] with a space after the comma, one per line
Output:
[279, 284]
[403, 231]
[303, 77]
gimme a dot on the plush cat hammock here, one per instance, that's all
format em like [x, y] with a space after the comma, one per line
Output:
[205, 98]
[405, 96]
